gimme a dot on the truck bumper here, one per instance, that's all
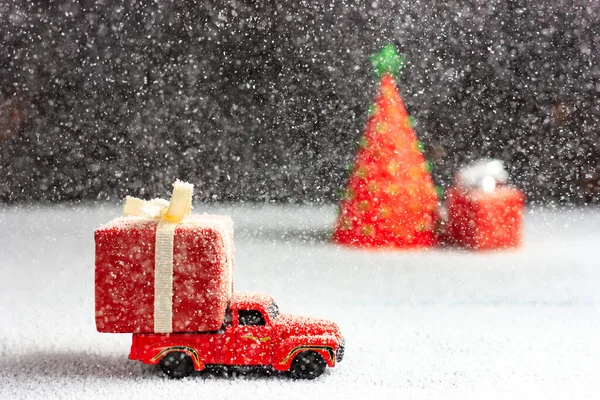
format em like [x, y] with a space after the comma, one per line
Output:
[340, 351]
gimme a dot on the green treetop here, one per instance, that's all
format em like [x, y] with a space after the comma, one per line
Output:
[387, 61]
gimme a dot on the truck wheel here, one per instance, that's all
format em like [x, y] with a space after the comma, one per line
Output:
[307, 365]
[176, 365]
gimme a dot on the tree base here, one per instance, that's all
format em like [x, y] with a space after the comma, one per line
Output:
[384, 240]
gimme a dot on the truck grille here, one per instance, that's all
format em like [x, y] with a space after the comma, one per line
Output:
[340, 352]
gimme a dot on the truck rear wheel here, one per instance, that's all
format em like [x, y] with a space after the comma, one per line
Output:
[307, 365]
[176, 365]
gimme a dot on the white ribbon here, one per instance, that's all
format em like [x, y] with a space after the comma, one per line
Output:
[169, 214]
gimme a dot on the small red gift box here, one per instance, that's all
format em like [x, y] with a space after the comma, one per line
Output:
[485, 220]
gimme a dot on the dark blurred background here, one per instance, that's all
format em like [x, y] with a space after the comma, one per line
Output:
[265, 100]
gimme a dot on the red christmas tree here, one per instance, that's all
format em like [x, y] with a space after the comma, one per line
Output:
[390, 199]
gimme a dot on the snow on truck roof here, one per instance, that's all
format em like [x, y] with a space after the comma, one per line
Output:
[251, 299]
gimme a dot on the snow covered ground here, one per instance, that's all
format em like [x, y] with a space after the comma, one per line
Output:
[430, 324]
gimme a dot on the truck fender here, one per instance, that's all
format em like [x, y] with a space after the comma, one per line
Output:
[160, 352]
[286, 355]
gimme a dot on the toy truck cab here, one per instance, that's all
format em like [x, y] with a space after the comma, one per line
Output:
[254, 333]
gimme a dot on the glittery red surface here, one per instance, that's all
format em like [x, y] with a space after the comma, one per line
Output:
[124, 279]
[390, 199]
[480, 220]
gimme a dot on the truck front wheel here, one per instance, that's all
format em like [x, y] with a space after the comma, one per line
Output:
[177, 365]
[307, 365]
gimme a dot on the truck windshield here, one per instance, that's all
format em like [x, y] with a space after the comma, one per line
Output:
[273, 311]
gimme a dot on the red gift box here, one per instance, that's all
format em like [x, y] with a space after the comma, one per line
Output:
[202, 274]
[484, 220]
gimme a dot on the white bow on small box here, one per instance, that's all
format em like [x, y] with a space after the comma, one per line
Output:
[485, 174]
[169, 214]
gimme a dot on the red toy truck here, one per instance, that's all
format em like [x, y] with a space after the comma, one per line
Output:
[167, 277]
[253, 333]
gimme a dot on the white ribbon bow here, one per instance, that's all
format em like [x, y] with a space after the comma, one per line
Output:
[484, 174]
[161, 209]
